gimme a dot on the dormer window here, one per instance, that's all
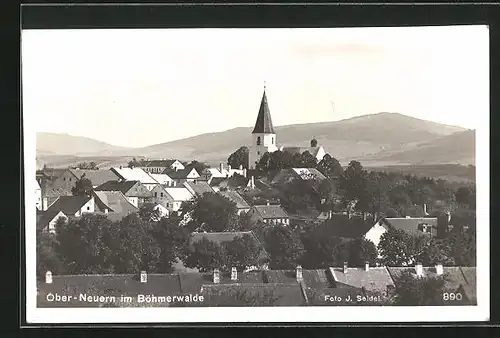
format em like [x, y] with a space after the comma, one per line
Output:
[258, 141]
[272, 140]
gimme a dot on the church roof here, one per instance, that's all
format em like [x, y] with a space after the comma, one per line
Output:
[264, 123]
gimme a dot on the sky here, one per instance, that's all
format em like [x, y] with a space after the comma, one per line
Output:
[135, 88]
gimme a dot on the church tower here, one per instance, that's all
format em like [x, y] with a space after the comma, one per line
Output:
[263, 135]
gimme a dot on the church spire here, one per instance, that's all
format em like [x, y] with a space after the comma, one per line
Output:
[264, 124]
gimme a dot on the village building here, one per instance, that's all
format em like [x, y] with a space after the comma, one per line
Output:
[135, 174]
[182, 175]
[164, 179]
[171, 198]
[65, 207]
[285, 176]
[198, 188]
[241, 205]
[67, 180]
[415, 226]
[113, 202]
[159, 166]
[136, 193]
[269, 214]
[317, 151]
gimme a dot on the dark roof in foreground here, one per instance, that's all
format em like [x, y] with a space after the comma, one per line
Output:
[264, 123]
[69, 205]
[411, 225]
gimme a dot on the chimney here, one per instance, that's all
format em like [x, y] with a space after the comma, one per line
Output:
[234, 274]
[367, 266]
[419, 270]
[229, 167]
[345, 267]
[122, 167]
[221, 168]
[439, 269]
[44, 204]
[408, 216]
[425, 210]
[144, 277]
[48, 277]
[241, 166]
[106, 210]
[449, 216]
[244, 173]
[298, 273]
[216, 276]
[267, 202]
[330, 214]
[252, 184]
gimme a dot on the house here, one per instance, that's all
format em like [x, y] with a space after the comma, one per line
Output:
[65, 207]
[210, 173]
[230, 183]
[175, 197]
[164, 179]
[285, 176]
[413, 226]
[198, 188]
[182, 175]
[269, 214]
[158, 166]
[136, 193]
[50, 195]
[113, 202]
[374, 280]
[38, 196]
[222, 237]
[241, 205]
[135, 174]
[69, 177]
[162, 211]
[317, 151]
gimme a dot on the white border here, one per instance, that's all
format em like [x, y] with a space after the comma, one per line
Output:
[481, 312]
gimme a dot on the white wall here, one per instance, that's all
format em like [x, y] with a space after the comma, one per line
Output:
[87, 207]
[38, 196]
[375, 233]
[52, 223]
[267, 144]
[134, 201]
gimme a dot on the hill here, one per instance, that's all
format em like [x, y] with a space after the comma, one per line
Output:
[457, 148]
[63, 144]
[388, 138]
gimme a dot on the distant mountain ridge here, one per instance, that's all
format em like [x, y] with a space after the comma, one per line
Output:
[382, 137]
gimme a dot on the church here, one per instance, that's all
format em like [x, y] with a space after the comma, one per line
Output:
[264, 138]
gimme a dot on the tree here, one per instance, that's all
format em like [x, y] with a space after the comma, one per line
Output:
[173, 242]
[86, 245]
[239, 157]
[147, 213]
[284, 247]
[398, 248]
[198, 166]
[306, 160]
[330, 167]
[466, 196]
[353, 183]
[86, 165]
[83, 187]
[205, 255]
[241, 252]
[362, 251]
[46, 255]
[135, 248]
[413, 291]
[214, 213]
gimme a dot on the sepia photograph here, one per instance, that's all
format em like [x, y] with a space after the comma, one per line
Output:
[215, 175]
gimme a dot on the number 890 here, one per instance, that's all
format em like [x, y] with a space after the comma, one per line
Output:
[452, 296]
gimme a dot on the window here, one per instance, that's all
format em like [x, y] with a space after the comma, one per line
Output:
[272, 140]
[161, 194]
[88, 208]
[258, 152]
[70, 179]
[64, 178]
[156, 194]
[258, 141]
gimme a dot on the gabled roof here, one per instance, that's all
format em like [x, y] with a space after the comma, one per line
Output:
[411, 225]
[122, 186]
[161, 178]
[270, 211]
[217, 181]
[114, 201]
[179, 194]
[69, 205]
[160, 163]
[236, 198]
[178, 174]
[97, 177]
[264, 123]
[375, 279]
[56, 192]
[198, 187]
[134, 174]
